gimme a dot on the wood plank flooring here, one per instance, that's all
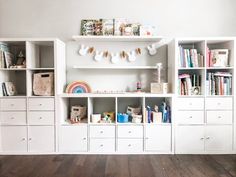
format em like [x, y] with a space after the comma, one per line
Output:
[118, 166]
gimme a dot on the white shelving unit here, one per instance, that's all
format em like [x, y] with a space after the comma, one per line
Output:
[28, 122]
[205, 123]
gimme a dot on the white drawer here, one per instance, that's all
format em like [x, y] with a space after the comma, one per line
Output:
[41, 103]
[190, 104]
[219, 117]
[134, 131]
[130, 145]
[102, 145]
[13, 118]
[41, 118]
[18, 104]
[190, 117]
[218, 103]
[102, 131]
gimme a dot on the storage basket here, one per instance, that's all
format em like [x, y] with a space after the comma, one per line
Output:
[43, 84]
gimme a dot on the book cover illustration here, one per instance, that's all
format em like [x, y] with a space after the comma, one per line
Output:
[107, 27]
[88, 27]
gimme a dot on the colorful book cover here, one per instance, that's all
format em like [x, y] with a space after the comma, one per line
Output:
[119, 25]
[108, 27]
[88, 27]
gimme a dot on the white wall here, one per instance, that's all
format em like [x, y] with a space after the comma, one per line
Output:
[61, 18]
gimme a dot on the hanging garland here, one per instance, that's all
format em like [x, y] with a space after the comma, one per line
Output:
[131, 56]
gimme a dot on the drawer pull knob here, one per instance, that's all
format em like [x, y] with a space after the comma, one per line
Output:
[12, 117]
[40, 104]
[129, 145]
[219, 117]
[190, 104]
[202, 139]
[30, 139]
[219, 104]
[129, 132]
[40, 118]
[23, 139]
[84, 138]
[101, 145]
[190, 117]
[208, 138]
[101, 131]
[12, 104]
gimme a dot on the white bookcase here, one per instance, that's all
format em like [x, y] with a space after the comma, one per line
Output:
[32, 124]
[205, 123]
[28, 122]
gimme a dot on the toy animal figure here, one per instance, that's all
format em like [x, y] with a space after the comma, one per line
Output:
[83, 50]
[115, 58]
[98, 56]
[131, 56]
[152, 49]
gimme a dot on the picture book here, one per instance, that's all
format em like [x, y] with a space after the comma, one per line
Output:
[107, 27]
[88, 27]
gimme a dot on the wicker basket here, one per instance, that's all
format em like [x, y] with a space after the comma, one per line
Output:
[43, 84]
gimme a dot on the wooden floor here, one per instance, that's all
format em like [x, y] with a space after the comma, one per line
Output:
[118, 166]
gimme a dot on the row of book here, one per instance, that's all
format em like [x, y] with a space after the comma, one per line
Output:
[219, 83]
[8, 89]
[189, 58]
[117, 27]
[217, 58]
[158, 116]
[189, 84]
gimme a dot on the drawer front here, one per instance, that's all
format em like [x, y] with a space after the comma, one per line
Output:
[219, 117]
[190, 117]
[190, 103]
[102, 131]
[130, 145]
[13, 118]
[130, 131]
[41, 118]
[41, 104]
[102, 145]
[13, 104]
[219, 103]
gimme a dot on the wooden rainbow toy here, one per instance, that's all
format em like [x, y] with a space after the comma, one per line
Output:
[78, 87]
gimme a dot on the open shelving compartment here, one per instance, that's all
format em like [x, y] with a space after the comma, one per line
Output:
[17, 77]
[98, 107]
[134, 102]
[40, 54]
[65, 105]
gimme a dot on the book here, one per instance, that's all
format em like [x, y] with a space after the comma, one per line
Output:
[119, 25]
[10, 88]
[87, 27]
[107, 27]
[9, 57]
[219, 57]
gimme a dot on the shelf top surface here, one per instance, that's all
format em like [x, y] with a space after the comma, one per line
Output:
[114, 67]
[135, 94]
[118, 38]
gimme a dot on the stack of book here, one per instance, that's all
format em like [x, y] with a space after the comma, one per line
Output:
[189, 58]
[189, 84]
[219, 83]
[8, 89]
[6, 58]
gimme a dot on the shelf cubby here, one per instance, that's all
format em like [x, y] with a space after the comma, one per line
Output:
[152, 101]
[199, 45]
[15, 47]
[40, 54]
[223, 44]
[135, 102]
[30, 77]
[65, 107]
[100, 105]
[17, 77]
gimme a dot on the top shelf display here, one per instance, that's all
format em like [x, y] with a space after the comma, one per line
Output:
[118, 38]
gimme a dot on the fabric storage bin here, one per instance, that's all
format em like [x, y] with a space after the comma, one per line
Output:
[43, 84]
